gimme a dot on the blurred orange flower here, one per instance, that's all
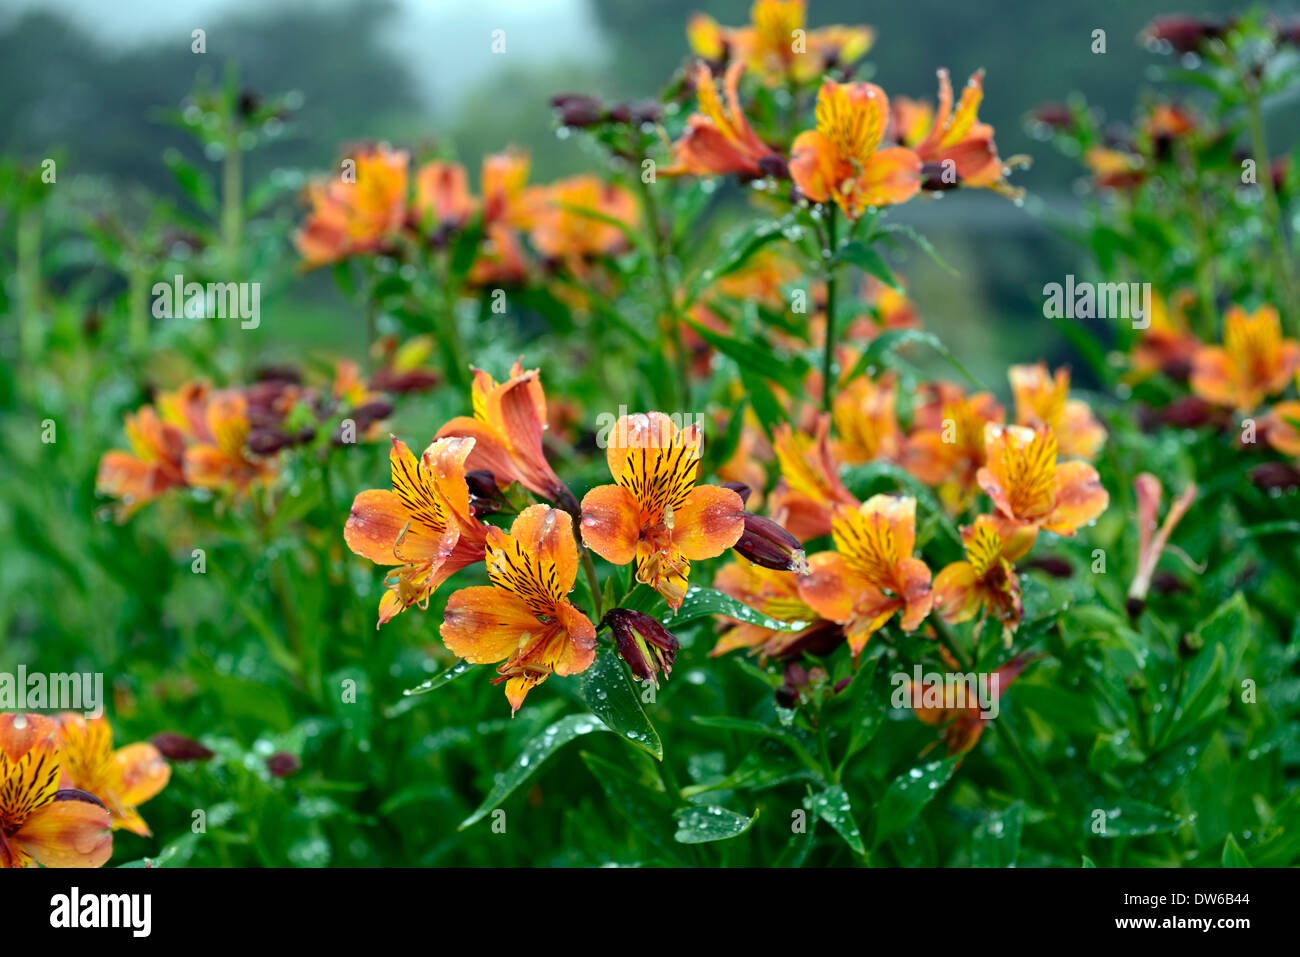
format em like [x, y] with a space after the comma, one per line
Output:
[358, 211]
[122, 779]
[866, 421]
[1044, 400]
[582, 217]
[955, 140]
[1253, 363]
[777, 42]
[155, 463]
[718, 140]
[810, 487]
[946, 447]
[841, 159]
[773, 592]
[872, 574]
[523, 619]
[983, 581]
[1031, 490]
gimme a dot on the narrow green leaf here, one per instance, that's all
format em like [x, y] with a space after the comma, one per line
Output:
[533, 757]
[702, 824]
[833, 806]
[1130, 818]
[702, 602]
[1233, 856]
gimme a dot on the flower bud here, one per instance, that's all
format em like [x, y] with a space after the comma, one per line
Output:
[740, 488]
[645, 644]
[485, 497]
[578, 110]
[282, 764]
[177, 747]
[766, 543]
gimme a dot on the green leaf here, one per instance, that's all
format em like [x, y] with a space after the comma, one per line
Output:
[922, 242]
[833, 806]
[610, 694]
[194, 182]
[433, 684]
[908, 794]
[891, 340]
[1129, 818]
[1233, 856]
[701, 824]
[533, 757]
[858, 253]
[753, 356]
[739, 252]
[996, 839]
[703, 602]
[647, 809]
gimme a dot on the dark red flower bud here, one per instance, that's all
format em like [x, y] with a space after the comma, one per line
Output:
[1055, 566]
[740, 488]
[775, 166]
[285, 374]
[1056, 116]
[645, 644]
[1180, 33]
[282, 764]
[578, 109]
[267, 440]
[1188, 412]
[177, 747]
[766, 543]
[1275, 475]
[485, 498]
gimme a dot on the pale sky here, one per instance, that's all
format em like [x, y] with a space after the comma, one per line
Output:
[446, 42]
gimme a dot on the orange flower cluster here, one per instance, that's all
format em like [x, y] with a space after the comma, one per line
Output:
[229, 440]
[64, 789]
[429, 526]
[372, 208]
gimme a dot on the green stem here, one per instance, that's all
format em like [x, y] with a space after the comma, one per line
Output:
[1283, 285]
[232, 197]
[828, 350]
[29, 283]
[589, 568]
[669, 305]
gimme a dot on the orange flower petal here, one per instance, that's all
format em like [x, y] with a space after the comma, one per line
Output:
[955, 592]
[144, 773]
[610, 523]
[546, 535]
[892, 176]
[69, 832]
[710, 520]
[1080, 498]
[830, 586]
[485, 624]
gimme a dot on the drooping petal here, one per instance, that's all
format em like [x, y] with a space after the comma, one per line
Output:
[709, 521]
[144, 773]
[831, 585]
[73, 830]
[892, 176]
[915, 591]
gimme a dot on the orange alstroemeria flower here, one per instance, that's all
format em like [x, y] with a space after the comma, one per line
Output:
[509, 208]
[718, 140]
[1282, 426]
[954, 140]
[866, 421]
[219, 459]
[656, 516]
[963, 726]
[442, 197]
[841, 159]
[155, 463]
[872, 574]
[775, 593]
[563, 229]
[1253, 363]
[1045, 400]
[39, 822]
[1031, 490]
[946, 447]
[356, 211]
[983, 581]
[122, 779]
[523, 619]
[810, 487]
[1114, 169]
[425, 524]
[507, 426]
[777, 43]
